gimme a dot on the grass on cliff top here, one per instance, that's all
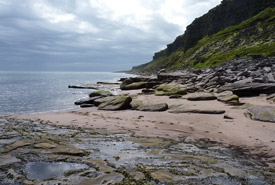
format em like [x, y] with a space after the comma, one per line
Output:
[253, 36]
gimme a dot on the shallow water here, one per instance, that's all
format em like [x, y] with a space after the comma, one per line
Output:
[45, 170]
[32, 92]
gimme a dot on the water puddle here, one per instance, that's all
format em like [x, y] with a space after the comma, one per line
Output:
[44, 170]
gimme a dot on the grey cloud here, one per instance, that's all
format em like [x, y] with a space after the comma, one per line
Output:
[29, 42]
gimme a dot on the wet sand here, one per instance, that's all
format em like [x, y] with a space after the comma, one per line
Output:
[256, 136]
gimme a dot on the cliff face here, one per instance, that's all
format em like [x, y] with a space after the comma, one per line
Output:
[228, 13]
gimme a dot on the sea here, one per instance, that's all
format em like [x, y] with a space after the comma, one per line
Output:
[37, 92]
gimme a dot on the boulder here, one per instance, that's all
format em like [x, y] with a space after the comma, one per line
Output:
[182, 109]
[153, 107]
[135, 104]
[201, 96]
[249, 89]
[99, 101]
[167, 90]
[261, 113]
[228, 97]
[119, 103]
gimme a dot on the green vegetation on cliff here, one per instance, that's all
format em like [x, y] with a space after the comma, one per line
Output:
[253, 36]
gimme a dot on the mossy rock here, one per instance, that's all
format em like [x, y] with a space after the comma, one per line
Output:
[119, 103]
[102, 93]
[103, 100]
[167, 90]
[153, 107]
[135, 104]
[231, 100]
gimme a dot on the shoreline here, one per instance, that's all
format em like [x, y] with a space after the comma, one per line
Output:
[257, 137]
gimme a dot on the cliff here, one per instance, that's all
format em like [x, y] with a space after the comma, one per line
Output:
[238, 15]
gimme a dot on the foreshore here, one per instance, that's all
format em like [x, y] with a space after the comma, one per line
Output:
[256, 136]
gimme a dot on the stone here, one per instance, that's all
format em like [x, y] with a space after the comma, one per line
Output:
[15, 145]
[153, 107]
[7, 160]
[227, 117]
[86, 100]
[86, 105]
[201, 96]
[231, 100]
[167, 90]
[70, 150]
[182, 109]
[176, 96]
[119, 103]
[44, 145]
[261, 113]
[102, 93]
[249, 89]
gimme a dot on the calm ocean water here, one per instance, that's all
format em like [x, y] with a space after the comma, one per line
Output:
[32, 92]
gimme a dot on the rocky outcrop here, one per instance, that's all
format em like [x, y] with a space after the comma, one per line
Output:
[245, 77]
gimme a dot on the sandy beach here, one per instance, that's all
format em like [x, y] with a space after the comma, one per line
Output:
[254, 136]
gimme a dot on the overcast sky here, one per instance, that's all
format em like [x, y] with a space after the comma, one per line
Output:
[90, 35]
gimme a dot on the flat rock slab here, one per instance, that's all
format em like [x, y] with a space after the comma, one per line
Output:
[201, 96]
[7, 160]
[182, 109]
[154, 107]
[249, 89]
[262, 113]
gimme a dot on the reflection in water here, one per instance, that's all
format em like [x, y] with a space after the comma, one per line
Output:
[43, 170]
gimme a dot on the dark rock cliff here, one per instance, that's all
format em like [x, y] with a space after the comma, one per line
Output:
[228, 13]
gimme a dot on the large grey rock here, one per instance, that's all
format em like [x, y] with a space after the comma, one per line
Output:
[201, 96]
[119, 103]
[153, 107]
[249, 89]
[261, 113]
